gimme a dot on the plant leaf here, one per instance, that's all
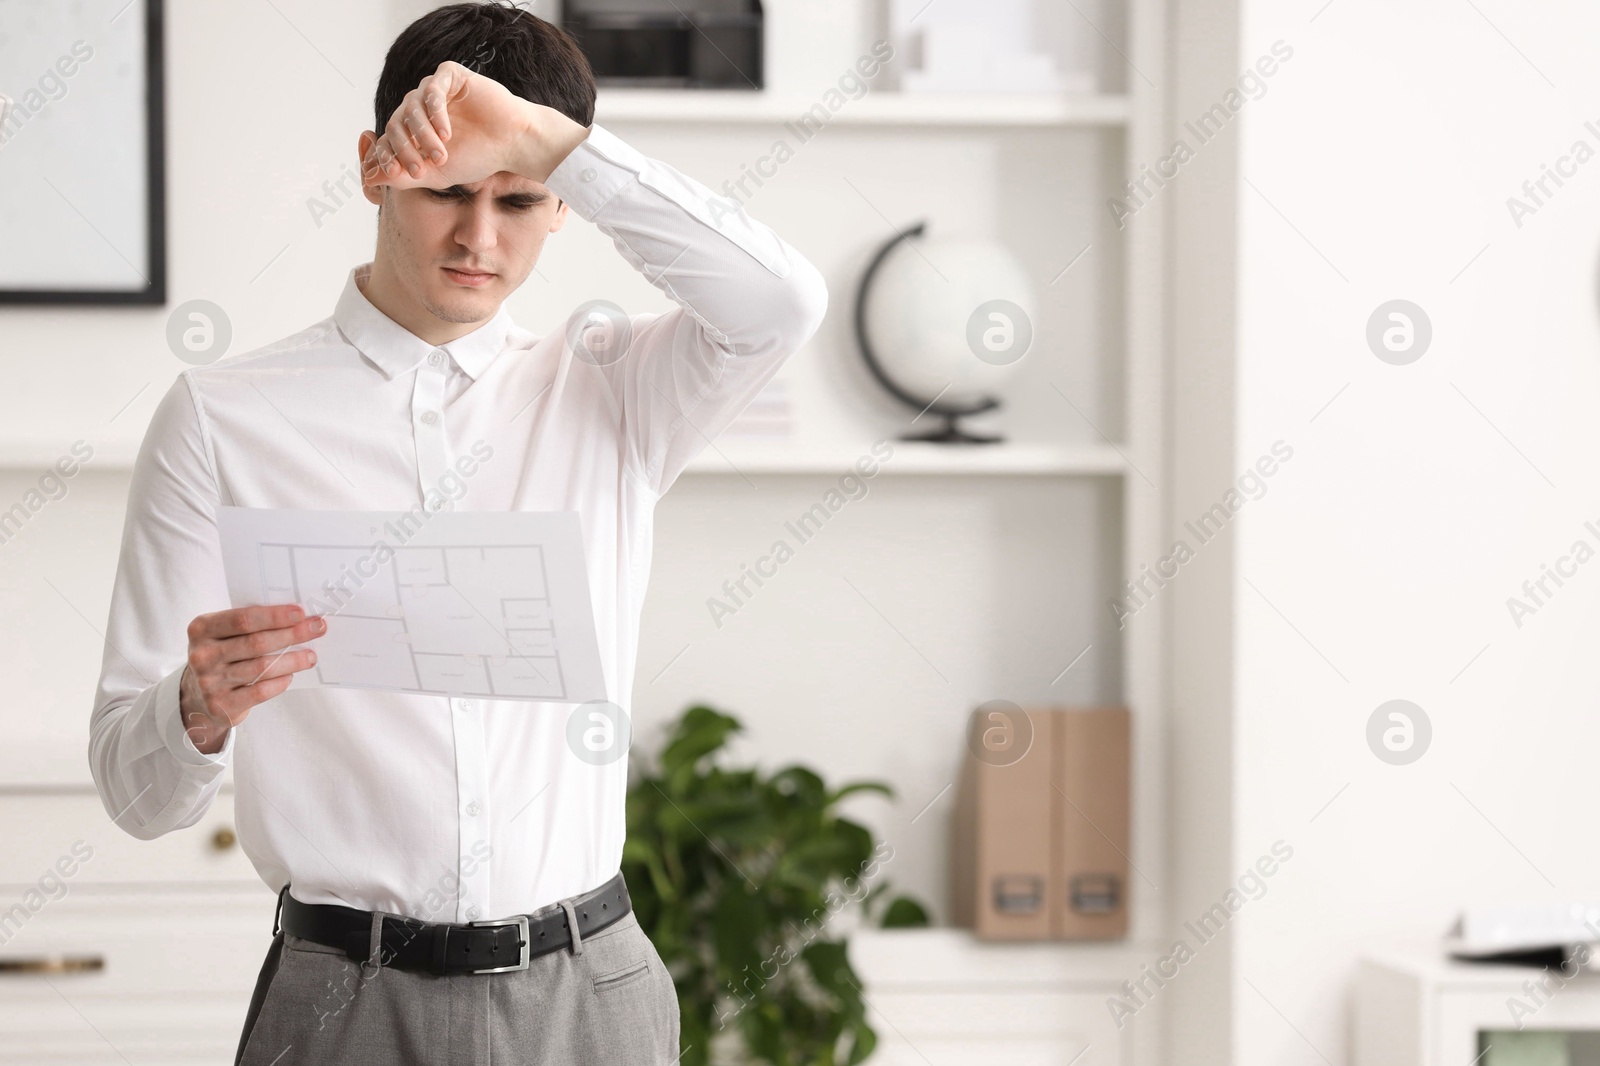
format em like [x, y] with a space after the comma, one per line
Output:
[904, 913]
[859, 786]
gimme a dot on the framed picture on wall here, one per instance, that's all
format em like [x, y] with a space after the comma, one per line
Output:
[82, 181]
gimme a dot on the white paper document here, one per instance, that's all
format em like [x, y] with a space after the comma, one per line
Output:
[483, 604]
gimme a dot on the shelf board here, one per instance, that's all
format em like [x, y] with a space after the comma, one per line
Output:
[913, 457]
[737, 457]
[710, 106]
[948, 959]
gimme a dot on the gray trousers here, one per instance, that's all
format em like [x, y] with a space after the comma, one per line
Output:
[610, 1001]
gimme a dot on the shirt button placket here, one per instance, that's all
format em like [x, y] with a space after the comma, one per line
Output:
[473, 808]
[472, 772]
[427, 405]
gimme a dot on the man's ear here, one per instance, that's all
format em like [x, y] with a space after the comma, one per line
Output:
[373, 193]
[560, 216]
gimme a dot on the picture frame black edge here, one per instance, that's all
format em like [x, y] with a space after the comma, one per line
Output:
[155, 293]
[83, 297]
[156, 109]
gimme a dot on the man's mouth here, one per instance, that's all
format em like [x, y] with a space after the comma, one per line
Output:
[468, 277]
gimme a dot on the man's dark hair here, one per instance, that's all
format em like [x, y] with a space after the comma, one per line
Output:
[535, 59]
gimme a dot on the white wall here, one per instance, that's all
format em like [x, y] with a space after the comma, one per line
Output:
[1419, 497]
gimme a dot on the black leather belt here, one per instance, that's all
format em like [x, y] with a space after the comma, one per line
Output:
[443, 948]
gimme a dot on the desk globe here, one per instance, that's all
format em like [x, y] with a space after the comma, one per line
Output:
[942, 323]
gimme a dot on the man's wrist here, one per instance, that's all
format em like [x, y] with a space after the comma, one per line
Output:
[198, 726]
[548, 137]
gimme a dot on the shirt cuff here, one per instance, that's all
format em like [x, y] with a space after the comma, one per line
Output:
[595, 171]
[169, 723]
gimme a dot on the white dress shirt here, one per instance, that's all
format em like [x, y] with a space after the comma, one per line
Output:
[438, 808]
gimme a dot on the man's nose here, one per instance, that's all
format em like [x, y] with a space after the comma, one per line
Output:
[475, 229]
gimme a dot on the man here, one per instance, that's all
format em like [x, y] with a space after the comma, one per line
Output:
[389, 822]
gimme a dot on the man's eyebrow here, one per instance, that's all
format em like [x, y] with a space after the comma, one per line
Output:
[519, 197]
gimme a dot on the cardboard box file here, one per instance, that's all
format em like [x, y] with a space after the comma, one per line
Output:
[1040, 839]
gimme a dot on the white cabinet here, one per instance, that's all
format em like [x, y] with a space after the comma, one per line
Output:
[43, 827]
[120, 950]
[1417, 1007]
[941, 997]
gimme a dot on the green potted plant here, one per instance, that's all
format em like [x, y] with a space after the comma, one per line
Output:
[737, 876]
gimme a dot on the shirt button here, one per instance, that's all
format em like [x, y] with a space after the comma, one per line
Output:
[463, 705]
[430, 417]
[473, 914]
[589, 174]
[435, 359]
[435, 504]
[473, 808]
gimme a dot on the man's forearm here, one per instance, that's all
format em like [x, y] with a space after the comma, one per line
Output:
[754, 292]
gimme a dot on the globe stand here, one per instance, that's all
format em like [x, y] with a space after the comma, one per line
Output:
[951, 432]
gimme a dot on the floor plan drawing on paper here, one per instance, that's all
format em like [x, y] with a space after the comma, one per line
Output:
[483, 604]
[461, 620]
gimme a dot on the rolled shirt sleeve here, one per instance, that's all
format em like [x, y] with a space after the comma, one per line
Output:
[747, 300]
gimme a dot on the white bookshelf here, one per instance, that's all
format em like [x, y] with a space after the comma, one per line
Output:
[957, 999]
[874, 109]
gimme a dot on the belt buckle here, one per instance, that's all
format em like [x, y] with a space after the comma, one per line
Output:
[521, 922]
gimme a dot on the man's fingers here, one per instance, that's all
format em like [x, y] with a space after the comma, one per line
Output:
[436, 96]
[424, 135]
[250, 671]
[387, 169]
[400, 139]
[234, 706]
[266, 641]
[419, 127]
[219, 625]
[236, 661]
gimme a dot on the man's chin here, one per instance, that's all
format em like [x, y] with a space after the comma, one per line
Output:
[451, 304]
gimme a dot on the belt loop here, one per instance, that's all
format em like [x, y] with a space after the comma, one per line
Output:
[277, 914]
[572, 927]
[374, 947]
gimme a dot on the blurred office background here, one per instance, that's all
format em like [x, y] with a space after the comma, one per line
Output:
[1234, 308]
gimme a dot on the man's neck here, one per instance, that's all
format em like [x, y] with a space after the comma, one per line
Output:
[384, 292]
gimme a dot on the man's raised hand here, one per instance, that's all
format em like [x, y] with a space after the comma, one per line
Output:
[458, 127]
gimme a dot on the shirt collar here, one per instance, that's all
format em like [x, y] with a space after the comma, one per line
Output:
[395, 349]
